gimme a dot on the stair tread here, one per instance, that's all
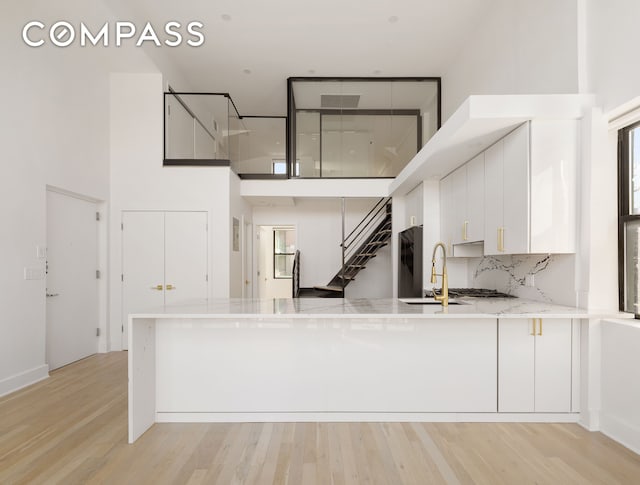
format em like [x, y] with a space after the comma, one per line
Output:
[329, 288]
[356, 266]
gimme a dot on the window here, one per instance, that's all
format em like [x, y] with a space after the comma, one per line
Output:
[280, 167]
[284, 249]
[629, 218]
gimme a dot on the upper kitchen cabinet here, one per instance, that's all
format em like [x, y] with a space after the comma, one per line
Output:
[530, 189]
[462, 202]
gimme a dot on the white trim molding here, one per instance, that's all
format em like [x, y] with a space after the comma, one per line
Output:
[23, 379]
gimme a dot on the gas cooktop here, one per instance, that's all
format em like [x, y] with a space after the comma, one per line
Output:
[474, 292]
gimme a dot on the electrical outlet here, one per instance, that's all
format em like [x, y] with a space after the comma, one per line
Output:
[529, 280]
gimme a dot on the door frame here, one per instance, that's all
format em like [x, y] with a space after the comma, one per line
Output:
[102, 263]
[258, 248]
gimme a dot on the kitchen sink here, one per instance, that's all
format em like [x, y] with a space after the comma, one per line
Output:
[430, 301]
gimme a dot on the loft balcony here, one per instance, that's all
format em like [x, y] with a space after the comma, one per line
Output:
[335, 128]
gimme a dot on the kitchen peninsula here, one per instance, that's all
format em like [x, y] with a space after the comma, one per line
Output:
[503, 359]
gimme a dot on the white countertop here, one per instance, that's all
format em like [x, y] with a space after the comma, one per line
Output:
[375, 308]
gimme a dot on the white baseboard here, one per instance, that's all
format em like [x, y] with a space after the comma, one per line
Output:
[163, 417]
[23, 379]
[624, 432]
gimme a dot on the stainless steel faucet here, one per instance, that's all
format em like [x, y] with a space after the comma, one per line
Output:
[444, 296]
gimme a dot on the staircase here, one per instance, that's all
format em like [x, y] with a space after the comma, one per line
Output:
[360, 246]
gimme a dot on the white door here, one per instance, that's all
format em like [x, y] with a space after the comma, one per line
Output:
[164, 261]
[247, 268]
[72, 287]
[186, 275]
[516, 360]
[142, 264]
[553, 366]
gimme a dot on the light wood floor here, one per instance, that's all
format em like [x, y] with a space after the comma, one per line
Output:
[72, 428]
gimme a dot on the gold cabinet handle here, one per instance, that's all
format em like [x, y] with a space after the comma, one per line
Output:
[540, 328]
[170, 287]
[501, 239]
[157, 287]
[464, 230]
[533, 332]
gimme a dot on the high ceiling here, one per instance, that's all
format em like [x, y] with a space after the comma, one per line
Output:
[252, 46]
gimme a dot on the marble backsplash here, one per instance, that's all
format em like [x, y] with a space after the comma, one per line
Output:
[553, 274]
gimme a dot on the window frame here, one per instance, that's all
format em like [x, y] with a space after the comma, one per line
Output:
[281, 254]
[624, 211]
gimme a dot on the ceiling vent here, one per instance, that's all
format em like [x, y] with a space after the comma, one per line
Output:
[343, 101]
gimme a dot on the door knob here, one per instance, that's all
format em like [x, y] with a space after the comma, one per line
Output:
[171, 287]
[157, 287]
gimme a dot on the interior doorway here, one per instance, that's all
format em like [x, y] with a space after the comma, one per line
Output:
[276, 250]
[72, 279]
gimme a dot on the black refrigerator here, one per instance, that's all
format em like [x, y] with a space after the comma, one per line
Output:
[410, 263]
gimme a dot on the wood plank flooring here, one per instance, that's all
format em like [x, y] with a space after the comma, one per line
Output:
[72, 428]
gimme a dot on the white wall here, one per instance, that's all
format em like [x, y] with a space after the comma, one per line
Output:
[241, 210]
[318, 225]
[140, 182]
[55, 131]
[518, 47]
[612, 37]
[620, 412]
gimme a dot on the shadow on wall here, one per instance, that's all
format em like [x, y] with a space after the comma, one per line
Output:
[553, 276]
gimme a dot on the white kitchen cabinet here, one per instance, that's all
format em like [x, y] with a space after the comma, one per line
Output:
[446, 213]
[507, 194]
[534, 365]
[474, 228]
[459, 204]
[462, 203]
[530, 190]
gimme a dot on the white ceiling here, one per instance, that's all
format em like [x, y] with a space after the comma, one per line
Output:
[280, 38]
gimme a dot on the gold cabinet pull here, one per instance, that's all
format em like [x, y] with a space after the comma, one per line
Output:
[465, 224]
[501, 239]
[170, 287]
[157, 287]
[540, 327]
[533, 332]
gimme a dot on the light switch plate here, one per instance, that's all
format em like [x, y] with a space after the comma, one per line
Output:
[33, 273]
[41, 252]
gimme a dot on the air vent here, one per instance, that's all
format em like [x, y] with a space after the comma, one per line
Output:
[345, 101]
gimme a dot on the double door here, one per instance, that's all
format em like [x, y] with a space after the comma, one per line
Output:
[534, 365]
[164, 261]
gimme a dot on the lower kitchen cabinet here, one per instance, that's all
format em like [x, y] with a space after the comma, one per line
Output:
[534, 365]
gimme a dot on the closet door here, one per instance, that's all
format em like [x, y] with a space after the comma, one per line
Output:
[142, 264]
[185, 272]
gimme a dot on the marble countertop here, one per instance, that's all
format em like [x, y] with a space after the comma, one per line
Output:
[374, 308]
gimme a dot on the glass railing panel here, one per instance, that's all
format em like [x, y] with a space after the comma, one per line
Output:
[261, 146]
[196, 127]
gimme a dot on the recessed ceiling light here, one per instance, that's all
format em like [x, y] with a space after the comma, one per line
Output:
[393, 19]
[226, 17]
[246, 71]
